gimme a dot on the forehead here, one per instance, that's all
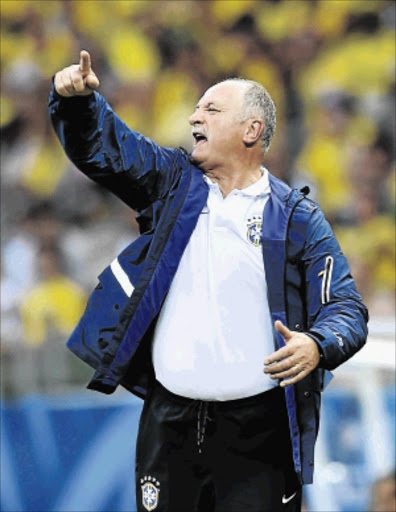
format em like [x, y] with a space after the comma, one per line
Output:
[225, 94]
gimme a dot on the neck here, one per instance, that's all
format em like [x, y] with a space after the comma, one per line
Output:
[234, 178]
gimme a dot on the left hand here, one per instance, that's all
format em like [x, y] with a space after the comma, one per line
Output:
[294, 361]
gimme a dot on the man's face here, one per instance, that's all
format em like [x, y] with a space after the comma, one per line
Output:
[217, 132]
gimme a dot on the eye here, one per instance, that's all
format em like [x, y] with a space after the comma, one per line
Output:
[212, 109]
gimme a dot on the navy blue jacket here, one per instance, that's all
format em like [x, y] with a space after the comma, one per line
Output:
[310, 287]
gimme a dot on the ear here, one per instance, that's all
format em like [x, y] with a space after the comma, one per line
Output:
[253, 130]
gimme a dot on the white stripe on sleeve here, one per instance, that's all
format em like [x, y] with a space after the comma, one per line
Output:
[326, 282]
[122, 277]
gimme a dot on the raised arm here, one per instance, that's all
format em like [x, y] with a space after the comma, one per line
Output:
[95, 139]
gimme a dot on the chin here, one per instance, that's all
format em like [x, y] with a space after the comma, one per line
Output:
[195, 159]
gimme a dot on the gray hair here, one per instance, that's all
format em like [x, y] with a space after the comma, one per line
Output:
[258, 103]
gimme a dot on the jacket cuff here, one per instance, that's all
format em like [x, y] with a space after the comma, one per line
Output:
[73, 107]
[320, 348]
[333, 347]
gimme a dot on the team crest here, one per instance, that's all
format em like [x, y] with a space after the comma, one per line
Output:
[254, 225]
[150, 492]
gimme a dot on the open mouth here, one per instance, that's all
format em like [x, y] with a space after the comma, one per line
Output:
[199, 139]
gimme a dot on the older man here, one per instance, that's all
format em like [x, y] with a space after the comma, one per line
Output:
[225, 314]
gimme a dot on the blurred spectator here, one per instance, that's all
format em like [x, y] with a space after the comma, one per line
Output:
[10, 326]
[361, 60]
[383, 494]
[54, 305]
[19, 254]
[334, 128]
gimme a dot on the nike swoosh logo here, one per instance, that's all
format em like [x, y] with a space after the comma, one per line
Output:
[286, 500]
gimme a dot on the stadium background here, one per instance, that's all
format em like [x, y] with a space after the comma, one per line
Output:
[330, 67]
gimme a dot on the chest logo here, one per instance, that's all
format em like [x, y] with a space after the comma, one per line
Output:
[150, 492]
[254, 225]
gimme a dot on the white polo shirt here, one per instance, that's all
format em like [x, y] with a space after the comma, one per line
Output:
[214, 330]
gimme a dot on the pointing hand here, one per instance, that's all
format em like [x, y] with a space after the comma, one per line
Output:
[295, 360]
[78, 79]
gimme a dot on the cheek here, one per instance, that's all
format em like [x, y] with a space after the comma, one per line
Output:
[231, 139]
[225, 137]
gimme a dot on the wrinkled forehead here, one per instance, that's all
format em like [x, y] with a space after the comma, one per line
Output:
[226, 94]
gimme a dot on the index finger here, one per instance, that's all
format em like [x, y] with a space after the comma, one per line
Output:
[85, 61]
[282, 353]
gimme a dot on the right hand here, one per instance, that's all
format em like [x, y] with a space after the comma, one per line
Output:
[78, 79]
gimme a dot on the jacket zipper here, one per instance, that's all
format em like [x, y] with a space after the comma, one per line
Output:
[286, 254]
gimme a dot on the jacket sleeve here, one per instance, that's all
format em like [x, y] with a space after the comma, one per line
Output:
[337, 317]
[95, 139]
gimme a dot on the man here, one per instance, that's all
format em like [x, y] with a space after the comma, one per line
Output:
[225, 314]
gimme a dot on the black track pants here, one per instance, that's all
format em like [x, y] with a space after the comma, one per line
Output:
[196, 456]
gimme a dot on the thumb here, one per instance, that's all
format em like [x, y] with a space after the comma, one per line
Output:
[85, 62]
[283, 330]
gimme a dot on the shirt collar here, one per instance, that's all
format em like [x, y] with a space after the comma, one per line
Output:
[258, 188]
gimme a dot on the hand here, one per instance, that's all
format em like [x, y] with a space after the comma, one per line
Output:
[78, 79]
[294, 361]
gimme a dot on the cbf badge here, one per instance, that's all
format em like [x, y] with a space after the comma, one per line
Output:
[254, 225]
[150, 492]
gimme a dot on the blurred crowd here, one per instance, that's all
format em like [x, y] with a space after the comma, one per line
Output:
[329, 65]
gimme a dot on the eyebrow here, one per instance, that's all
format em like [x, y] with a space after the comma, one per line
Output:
[206, 105]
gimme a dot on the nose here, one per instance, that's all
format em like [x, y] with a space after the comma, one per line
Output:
[195, 118]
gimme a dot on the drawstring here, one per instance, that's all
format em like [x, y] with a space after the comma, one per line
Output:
[201, 423]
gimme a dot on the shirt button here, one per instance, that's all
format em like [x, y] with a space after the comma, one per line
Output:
[307, 393]
[297, 327]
